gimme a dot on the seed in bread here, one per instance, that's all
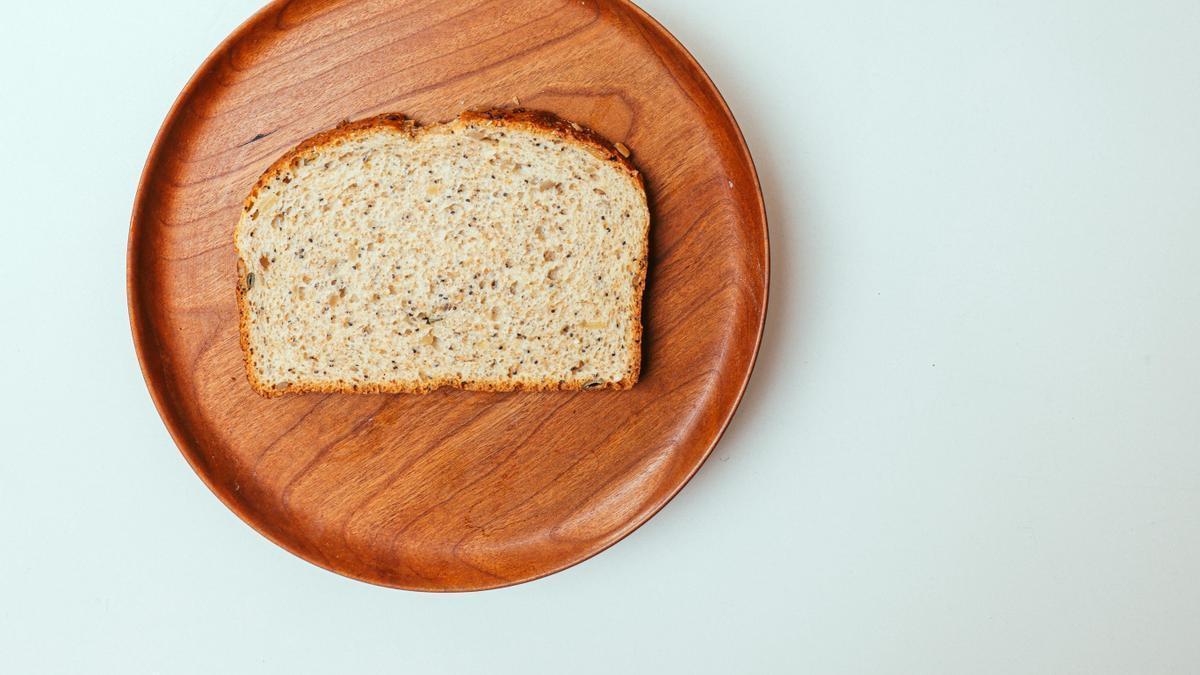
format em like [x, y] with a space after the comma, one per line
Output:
[502, 250]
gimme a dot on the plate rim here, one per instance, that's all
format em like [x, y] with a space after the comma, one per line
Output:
[142, 335]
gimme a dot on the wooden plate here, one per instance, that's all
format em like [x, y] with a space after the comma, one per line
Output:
[452, 490]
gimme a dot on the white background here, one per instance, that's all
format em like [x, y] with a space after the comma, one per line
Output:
[971, 444]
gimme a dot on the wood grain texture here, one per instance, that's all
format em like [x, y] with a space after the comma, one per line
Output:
[453, 490]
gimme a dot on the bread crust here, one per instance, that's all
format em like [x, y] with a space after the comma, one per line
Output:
[535, 121]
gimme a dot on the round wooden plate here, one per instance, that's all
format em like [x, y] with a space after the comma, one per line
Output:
[452, 490]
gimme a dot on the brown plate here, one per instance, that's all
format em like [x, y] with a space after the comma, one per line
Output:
[452, 490]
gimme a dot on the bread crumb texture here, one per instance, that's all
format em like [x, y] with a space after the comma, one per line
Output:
[499, 251]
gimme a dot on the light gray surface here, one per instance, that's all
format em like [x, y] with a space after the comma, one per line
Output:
[972, 443]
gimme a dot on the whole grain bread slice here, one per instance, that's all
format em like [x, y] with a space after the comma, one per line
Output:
[504, 250]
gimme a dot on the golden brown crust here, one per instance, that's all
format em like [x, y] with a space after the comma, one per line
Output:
[547, 122]
[531, 120]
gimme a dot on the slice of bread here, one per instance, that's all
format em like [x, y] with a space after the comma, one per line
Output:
[502, 250]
